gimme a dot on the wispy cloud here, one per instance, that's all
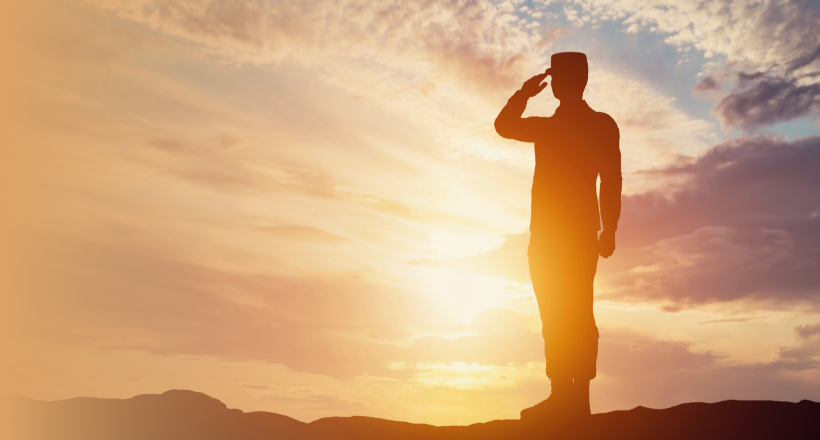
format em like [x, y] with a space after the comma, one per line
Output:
[726, 320]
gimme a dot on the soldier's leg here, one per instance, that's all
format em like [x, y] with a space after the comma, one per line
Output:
[547, 289]
[551, 271]
[548, 282]
[586, 351]
[562, 268]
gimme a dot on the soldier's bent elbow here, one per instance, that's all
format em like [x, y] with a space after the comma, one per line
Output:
[503, 129]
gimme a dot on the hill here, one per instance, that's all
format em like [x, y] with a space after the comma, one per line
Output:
[182, 415]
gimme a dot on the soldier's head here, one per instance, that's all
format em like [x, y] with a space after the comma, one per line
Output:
[569, 71]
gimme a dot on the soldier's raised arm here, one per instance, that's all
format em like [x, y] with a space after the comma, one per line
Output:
[509, 123]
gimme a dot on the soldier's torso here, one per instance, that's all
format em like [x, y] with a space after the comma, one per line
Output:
[567, 163]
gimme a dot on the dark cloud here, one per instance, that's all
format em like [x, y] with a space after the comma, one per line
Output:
[718, 264]
[747, 78]
[744, 224]
[752, 182]
[784, 89]
[805, 60]
[706, 84]
[767, 100]
[808, 330]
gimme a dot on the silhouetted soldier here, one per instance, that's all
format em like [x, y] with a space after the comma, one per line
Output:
[572, 148]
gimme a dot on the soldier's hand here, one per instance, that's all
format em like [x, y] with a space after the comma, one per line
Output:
[606, 243]
[533, 86]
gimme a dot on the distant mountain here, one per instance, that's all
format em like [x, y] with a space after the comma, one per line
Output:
[183, 415]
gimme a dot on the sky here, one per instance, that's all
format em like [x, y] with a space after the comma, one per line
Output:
[302, 206]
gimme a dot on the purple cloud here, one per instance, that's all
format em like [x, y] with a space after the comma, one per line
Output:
[767, 100]
[706, 84]
[808, 330]
[744, 224]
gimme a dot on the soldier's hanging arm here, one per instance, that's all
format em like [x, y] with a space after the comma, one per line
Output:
[509, 124]
[611, 184]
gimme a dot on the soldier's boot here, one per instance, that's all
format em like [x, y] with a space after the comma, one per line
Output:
[555, 406]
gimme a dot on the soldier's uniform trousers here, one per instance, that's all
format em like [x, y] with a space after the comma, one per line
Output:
[562, 268]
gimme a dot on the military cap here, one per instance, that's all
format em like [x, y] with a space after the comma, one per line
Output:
[571, 65]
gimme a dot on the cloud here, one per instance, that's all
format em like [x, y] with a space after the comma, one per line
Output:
[721, 321]
[706, 84]
[801, 355]
[624, 353]
[551, 33]
[718, 264]
[740, 222]
[780, 38]
[217, 164]
[444, 68]
[303, 233]
[257, 387]
[757, 182]
[805, 60]
[741, 31]
[470, 40]
[808, 331]
[768, 100]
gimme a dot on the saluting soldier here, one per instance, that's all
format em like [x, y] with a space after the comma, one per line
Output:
[572, 148]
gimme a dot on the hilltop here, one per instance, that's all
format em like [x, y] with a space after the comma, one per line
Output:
[182, 415]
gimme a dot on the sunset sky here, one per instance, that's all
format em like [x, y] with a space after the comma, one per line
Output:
[301, 206]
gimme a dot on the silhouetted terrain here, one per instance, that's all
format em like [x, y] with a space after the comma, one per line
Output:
[181, 415]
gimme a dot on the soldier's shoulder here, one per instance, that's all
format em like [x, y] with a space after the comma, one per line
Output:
[608, 124]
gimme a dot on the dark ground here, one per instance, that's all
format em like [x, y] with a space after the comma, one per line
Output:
[182, 415]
